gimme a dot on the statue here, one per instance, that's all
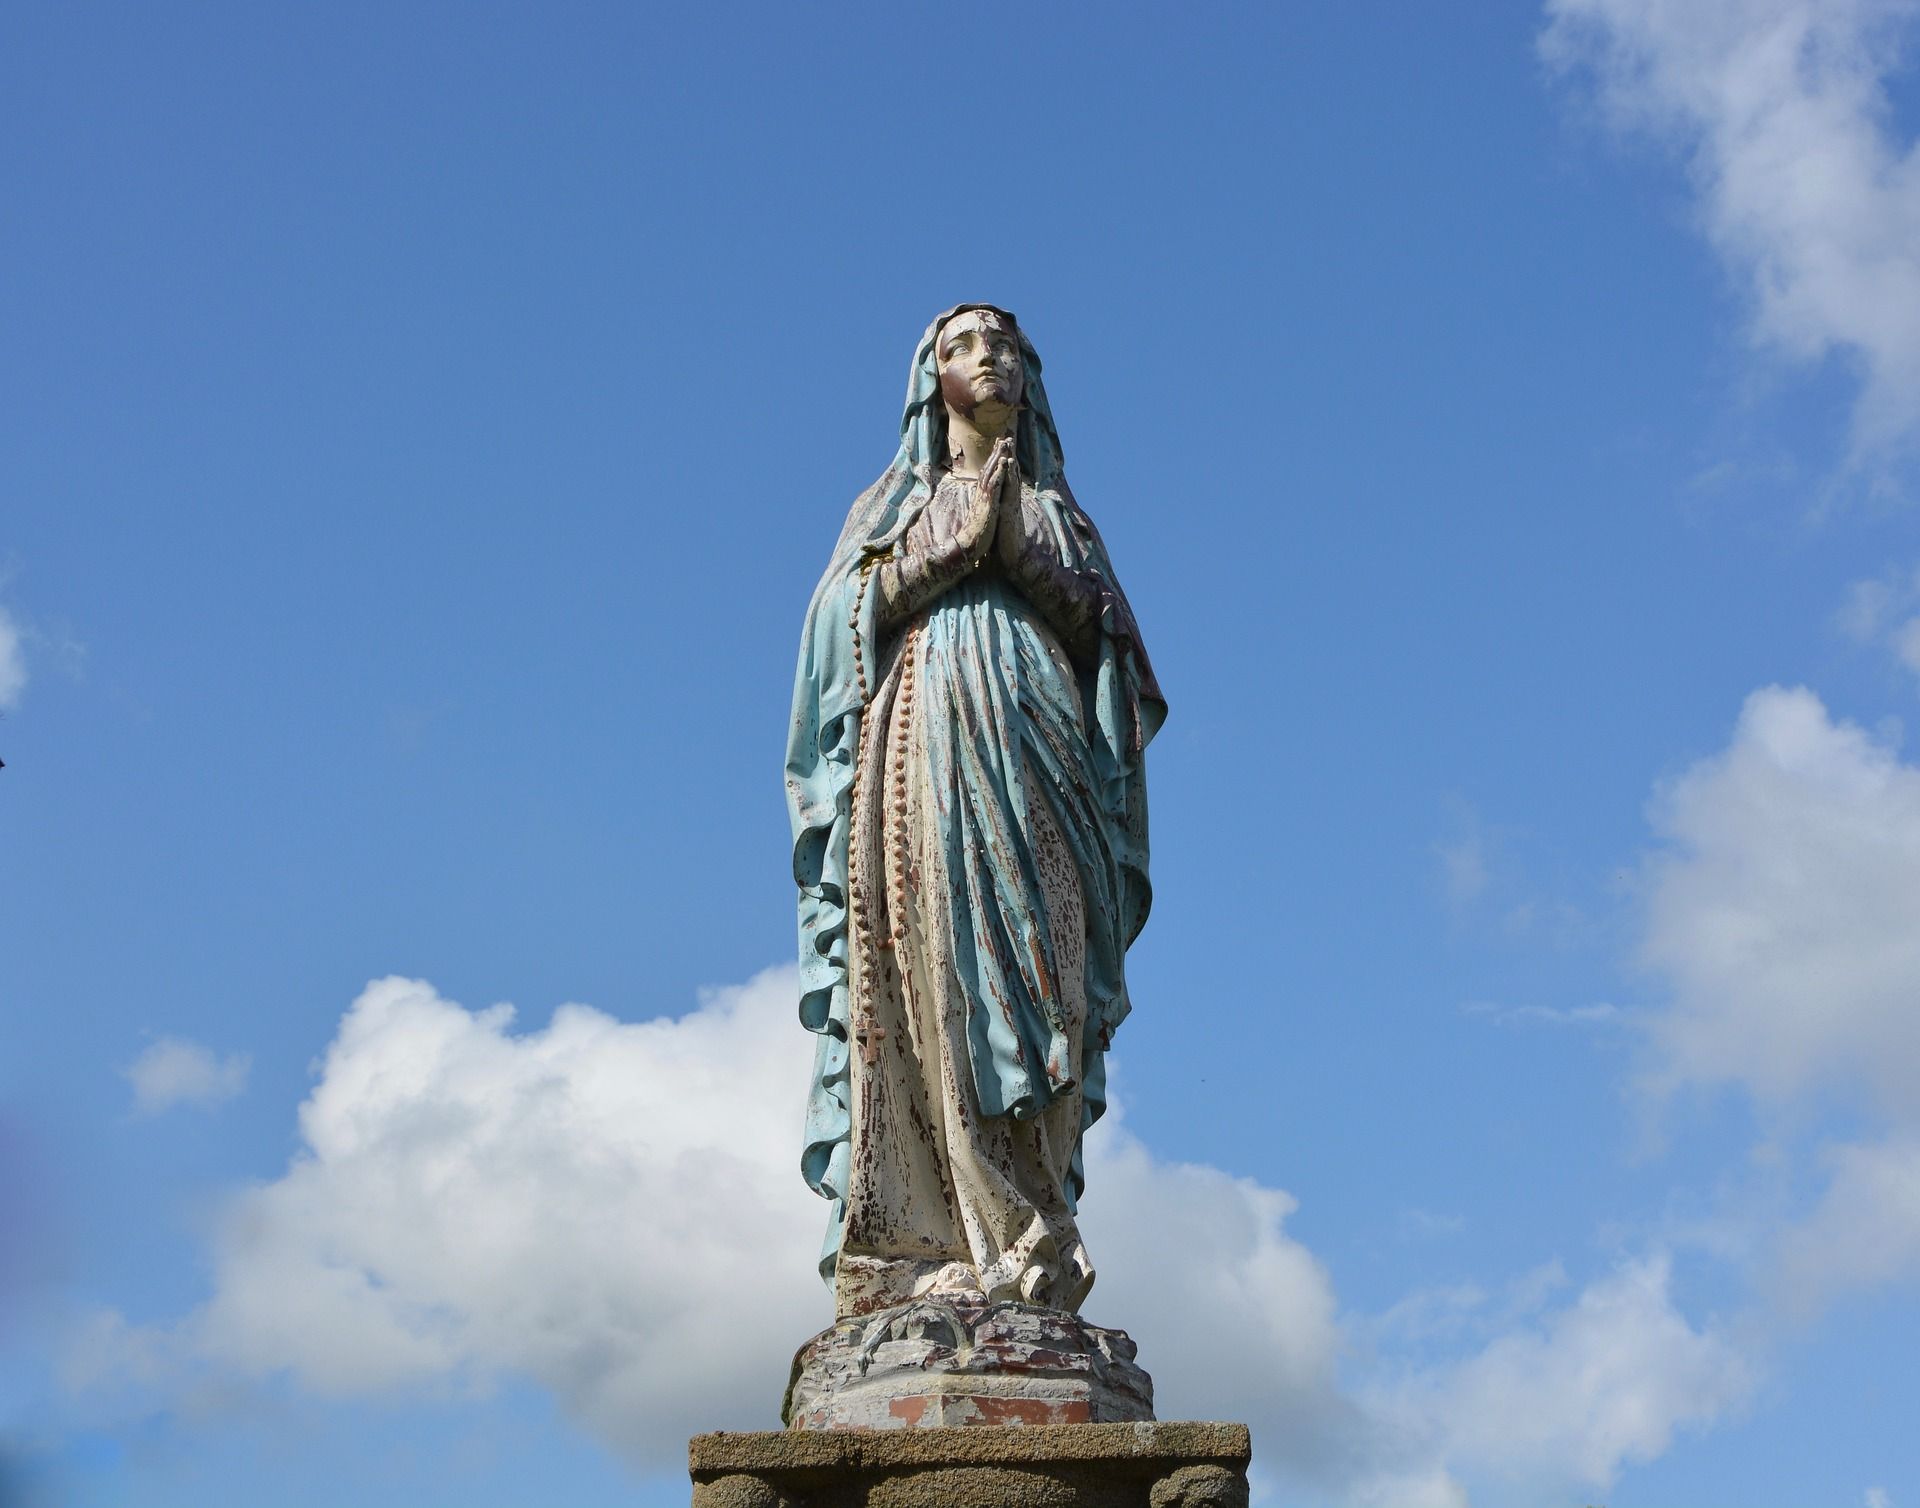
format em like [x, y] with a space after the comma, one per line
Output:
[966, 777]
[966, 780]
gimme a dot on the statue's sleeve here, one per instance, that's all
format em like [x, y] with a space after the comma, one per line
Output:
[927, 561]
[1044, 564]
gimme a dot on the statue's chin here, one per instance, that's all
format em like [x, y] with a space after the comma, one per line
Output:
[992, 417]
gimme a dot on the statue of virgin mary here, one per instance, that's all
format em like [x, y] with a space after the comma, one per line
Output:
[966, 778]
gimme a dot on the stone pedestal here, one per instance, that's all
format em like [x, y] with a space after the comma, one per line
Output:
[1142, 1465]
[940, 1362]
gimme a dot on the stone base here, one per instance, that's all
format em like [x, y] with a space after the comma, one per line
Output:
[1058, 1466]
[940, 1362]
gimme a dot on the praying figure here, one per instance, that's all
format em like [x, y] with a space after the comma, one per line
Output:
[966, 779]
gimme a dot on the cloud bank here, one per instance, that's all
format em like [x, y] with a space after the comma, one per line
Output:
[612, 1209]
[1780, 912]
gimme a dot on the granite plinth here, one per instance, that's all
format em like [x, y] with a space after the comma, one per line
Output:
[936, 1363]
[1143, 1465]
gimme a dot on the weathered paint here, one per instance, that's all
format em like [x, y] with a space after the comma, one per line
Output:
[928, 760]
[935, 1365]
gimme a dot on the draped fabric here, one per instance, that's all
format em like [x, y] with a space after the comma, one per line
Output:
[1005, 722]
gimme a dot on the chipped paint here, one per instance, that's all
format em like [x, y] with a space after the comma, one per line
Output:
[933, 1364]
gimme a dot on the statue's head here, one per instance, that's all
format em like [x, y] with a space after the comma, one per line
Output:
[982, 375]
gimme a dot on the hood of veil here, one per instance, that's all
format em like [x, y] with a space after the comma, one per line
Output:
[885, 510]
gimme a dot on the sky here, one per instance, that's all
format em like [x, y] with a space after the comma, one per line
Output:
[421, 428]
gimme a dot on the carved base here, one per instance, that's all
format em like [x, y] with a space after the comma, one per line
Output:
[938, 1363]
[1063, 1466]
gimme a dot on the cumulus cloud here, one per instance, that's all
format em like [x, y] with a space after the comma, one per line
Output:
[609, 1208]
[1575, 1393]
[13, 662]
[1231, 1313]
[1804, 189]
[1538, 1389]
[1780, 909]
[1779, 918]
[174, 1071]
[612, 1209]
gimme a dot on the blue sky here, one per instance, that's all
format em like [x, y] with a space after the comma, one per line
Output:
[420, 431]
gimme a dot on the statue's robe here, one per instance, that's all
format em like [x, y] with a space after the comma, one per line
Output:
[970, 842]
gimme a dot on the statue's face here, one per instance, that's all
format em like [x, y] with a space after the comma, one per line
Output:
[981, 374]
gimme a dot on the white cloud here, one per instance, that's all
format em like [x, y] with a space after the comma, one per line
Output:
[174, 1071]
[1864, 1232]
[1234, 1317]
[1884, 612]
[1877, 1497]
[613, 1210]
[1804, 190]
[13, 662]
[1781, 910]
[1869, 604]
[1574, 1394]
[610, 1208]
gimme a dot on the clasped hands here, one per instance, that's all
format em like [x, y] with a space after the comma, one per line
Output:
[980, 525]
